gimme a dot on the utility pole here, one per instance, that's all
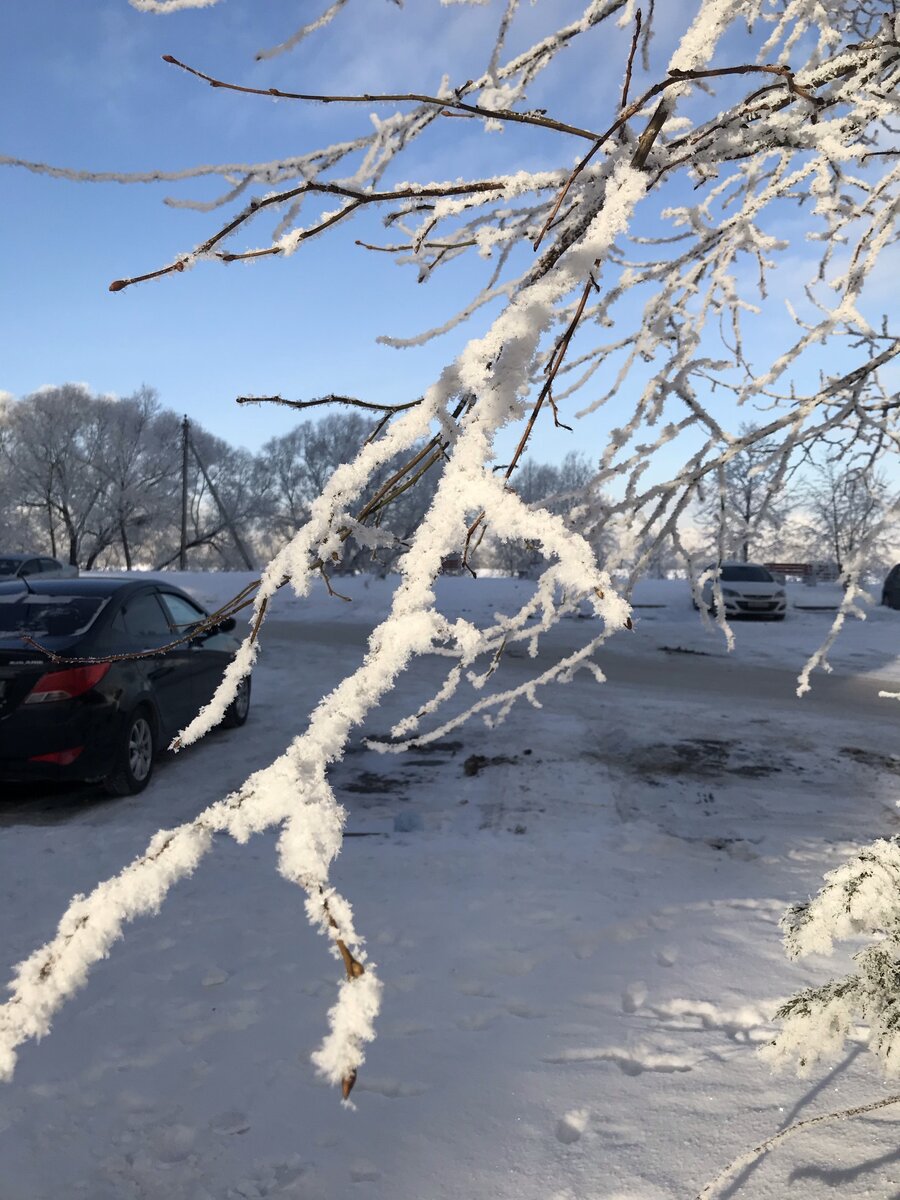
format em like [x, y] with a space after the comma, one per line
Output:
[226, 516]
[182, 553]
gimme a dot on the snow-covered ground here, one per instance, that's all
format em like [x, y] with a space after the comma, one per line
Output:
[663, 617]
[575, 917]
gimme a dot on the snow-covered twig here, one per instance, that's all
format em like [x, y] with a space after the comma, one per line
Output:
[743, 1161]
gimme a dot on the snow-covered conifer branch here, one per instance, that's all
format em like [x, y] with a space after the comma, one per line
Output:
[858, 899]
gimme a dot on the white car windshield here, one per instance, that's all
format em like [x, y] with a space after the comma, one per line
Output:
[745, 573]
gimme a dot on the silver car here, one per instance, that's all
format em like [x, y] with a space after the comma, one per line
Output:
[15, 566]
[748, 590]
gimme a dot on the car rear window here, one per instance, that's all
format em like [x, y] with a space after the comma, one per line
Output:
[47, 616]
[744, 573]
[9, 566]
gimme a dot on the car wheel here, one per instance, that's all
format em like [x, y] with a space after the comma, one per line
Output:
[239, 709]
[134, 756]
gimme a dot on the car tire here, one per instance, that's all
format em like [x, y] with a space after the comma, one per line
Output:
[239, 709]
[135, 753]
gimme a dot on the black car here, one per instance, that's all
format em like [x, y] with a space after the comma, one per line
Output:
[103, 721]
[15, 566]
[890, 593]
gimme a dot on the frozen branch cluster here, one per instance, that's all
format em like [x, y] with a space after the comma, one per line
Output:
[651, 324]
[861, 899]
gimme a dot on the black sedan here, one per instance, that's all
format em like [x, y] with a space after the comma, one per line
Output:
[103, 721]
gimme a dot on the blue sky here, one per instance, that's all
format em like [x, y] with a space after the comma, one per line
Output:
[86, 88]
[92, 93]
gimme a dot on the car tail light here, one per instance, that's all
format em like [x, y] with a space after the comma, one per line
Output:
[62, 758]
[65, 685]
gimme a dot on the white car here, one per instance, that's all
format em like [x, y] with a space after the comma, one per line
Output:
[748, 590]
[15, 566]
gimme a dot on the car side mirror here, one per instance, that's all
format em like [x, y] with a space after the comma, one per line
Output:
[227, 626]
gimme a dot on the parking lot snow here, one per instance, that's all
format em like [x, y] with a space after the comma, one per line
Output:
[574, 915]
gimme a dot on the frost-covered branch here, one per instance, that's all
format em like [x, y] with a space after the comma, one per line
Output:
[443, 103]
[650, 297]
[289, 243]
[749, 1157]
[322, 401]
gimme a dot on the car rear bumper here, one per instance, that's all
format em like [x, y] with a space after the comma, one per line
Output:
[27, 735]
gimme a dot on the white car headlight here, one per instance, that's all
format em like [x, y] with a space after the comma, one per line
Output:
[730, 592]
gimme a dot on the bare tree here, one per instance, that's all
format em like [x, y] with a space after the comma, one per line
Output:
[850, 511]
[18, 524]
[52, 450]
[751, 502]
[140, 473]
[761, 117]
[226, 495]
[301, 462]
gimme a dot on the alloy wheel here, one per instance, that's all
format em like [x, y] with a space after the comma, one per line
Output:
[140, 748]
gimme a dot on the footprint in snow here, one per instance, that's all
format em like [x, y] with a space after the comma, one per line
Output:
[232, 1122]
[515, 963]
[407, 1028]
[275, 1179]
[477, 1021]
[171, 1144]
[214, 977]
[572, 1125]
[518, 1008]
[634, 996]
[394, 1089]
[630, 1062]
[364, 1172]
[475, 987]
[748, 1023]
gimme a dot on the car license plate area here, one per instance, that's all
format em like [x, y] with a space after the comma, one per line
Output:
[759, 603]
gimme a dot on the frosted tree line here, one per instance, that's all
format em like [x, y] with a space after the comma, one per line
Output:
[625, 270]
[96, 481]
